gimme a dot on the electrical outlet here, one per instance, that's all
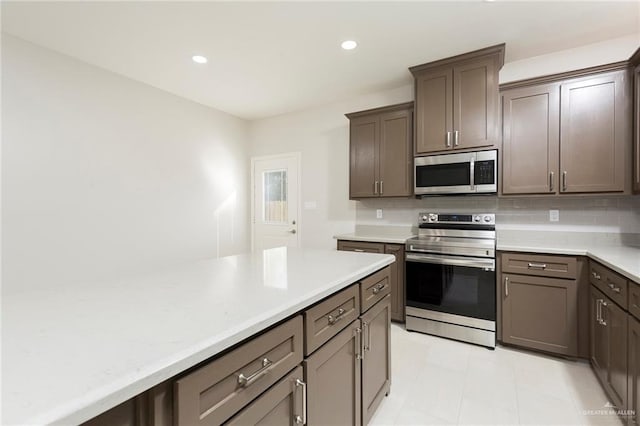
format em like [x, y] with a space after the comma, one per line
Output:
[378, 213]
[554, 215]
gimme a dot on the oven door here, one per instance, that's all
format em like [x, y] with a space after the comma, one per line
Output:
[456, 285]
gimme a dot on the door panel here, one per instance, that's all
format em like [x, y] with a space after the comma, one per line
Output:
[594, 128]
[434, 106]
[396, 154]
[633, 379]
[540, 313]
[599, 353]
[333, 376]
[278, 406]
[362, 156]
[475, 104]
[531, 133]
[616, 323]
[275, 203]
[636, 144]
[376, 361]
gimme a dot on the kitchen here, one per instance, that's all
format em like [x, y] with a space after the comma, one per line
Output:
[106, 178]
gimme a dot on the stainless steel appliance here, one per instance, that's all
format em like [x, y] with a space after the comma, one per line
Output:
[451, 277]
[461, 173]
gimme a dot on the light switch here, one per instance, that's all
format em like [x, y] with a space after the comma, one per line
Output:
[554, 215]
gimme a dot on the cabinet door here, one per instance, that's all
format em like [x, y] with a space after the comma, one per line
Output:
[633, 378]
[363, 165]
[376, 357]
[615, 320]
[282, 404]
[434, 109]
[531, 134]
[594, 133]
[599, 339]
[540, 313]
[397, 281]
[475, 104]
[636, 143]
[396, 154]
[333, 376]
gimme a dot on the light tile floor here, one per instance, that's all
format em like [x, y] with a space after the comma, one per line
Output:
[437, 381]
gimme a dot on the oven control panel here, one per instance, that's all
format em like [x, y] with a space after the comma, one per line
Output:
[462, 219]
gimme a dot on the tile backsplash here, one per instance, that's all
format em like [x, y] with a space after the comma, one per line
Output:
[618, 214]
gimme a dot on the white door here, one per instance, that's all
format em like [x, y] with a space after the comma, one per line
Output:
[275, 208]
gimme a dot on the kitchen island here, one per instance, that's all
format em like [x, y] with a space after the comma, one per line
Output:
[72, 352]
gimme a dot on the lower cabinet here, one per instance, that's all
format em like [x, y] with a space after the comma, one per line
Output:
[283, 404]
[397, 270]
[376, 357]
[609, 341]
[539, 302]
[333, 376]
[540, 313]
[633, 379]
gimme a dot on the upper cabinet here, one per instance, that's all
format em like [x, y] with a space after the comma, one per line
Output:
[381, 152]
[457, 101]
[569, 134]
[635, 60]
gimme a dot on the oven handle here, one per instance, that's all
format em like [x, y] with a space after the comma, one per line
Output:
[471, 262]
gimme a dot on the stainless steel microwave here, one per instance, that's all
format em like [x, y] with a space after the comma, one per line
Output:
[461, 173]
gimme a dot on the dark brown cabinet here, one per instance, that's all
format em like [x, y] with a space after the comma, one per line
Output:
[636, 119]
[457, 101]
[282, 404]
[381, 152]
[609, 339]
[397, 278]
[376, 357]
[531, 137]
[633, 379]
[538, 302]
[567, 136]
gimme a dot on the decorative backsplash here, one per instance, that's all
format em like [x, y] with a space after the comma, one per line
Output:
[614, 214]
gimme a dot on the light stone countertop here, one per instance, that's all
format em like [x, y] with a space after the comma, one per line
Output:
[71, 352]
[618, 252]
[380, 234]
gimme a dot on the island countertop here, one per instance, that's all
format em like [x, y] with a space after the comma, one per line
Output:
[72, 352]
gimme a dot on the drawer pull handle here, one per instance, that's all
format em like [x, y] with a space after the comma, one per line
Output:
[245, 381]
[303, 419]
[614, 288]
[377, 289]
[538, 265]
[359, 250]
[333, 320]
[595, 275]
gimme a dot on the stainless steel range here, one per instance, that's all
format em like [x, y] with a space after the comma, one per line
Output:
[451, 277]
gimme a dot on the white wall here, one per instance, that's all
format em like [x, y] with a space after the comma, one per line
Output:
[104, 176]
[321, 135]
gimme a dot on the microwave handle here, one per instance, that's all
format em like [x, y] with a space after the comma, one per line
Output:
[472, 172]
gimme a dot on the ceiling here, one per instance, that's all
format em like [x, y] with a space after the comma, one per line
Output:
[269, 58]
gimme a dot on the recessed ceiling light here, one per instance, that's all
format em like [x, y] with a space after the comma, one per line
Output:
[349, 45]
[199, 59]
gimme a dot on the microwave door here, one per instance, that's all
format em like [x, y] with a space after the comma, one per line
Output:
[443, 178]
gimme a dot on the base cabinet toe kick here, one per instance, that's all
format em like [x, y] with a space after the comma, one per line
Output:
[328, 364]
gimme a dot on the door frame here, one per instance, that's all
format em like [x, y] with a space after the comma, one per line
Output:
[297, 156]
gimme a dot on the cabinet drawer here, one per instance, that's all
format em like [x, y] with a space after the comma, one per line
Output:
[610, 283]
[327, 318]
[374, 287]
[634, 299]
[212, 394]
[360, 246]
[539, 265]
